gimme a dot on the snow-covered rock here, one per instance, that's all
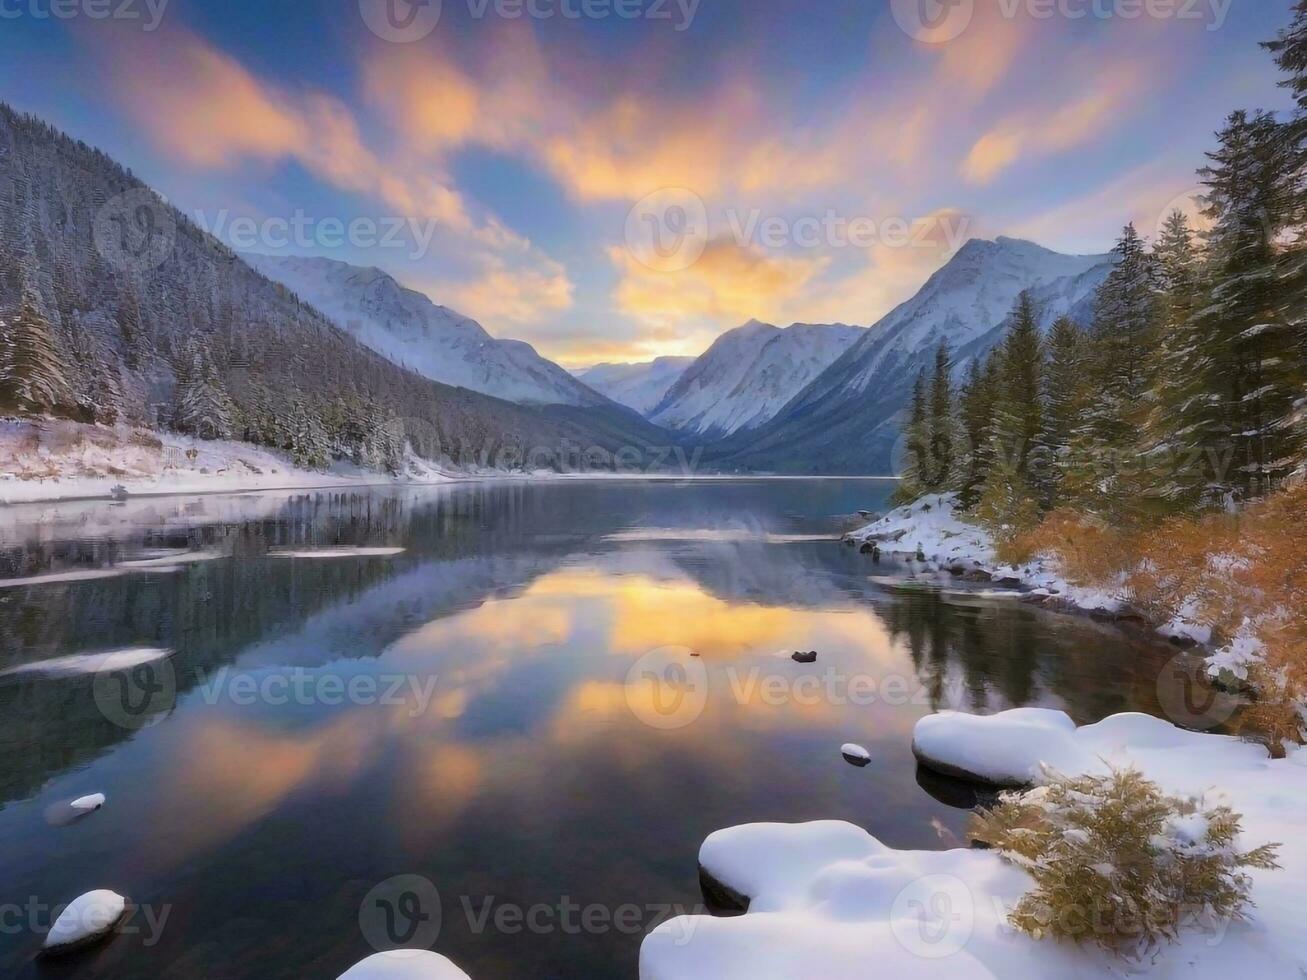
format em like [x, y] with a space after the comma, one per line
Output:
[855, 754]
[66, 812]
[828, 900]
[406, 327]
[405, 964]
[638, 386]
[86, 919]
[88, 804]
[1013, 747]
[749, 374]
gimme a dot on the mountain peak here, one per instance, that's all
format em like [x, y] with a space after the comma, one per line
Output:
[406, 327]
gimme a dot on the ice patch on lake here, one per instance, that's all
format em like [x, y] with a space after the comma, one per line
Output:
[56, 578]
[169, 560]
[342, 552]
[720, 535]
[90, 663]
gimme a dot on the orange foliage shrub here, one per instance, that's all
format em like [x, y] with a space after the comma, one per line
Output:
[1220, 570]
[1090, 552]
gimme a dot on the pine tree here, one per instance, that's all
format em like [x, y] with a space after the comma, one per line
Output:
[1019, 412]
[978, 400]
[201, 406]
[33, 376]
[943, 426]
[1251, 355]
[1065, 397]
[1174, 440]
[1290, 50]
[1103, 471]
[917, 465]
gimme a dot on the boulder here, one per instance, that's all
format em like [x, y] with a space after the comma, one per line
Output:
[87, 919]
[405, 964]
[855, 755]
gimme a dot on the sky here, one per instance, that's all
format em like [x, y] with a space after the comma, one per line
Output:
[613, 180]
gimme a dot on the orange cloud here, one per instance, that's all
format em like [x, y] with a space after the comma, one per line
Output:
[729, 283]
[204, 108]
[1048, 131]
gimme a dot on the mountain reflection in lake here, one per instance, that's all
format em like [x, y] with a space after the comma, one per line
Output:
[493, 709]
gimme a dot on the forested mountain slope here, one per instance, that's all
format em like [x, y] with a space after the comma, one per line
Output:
[118, 308]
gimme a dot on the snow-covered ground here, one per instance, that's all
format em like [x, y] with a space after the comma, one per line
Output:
[950, 544]
[49, 460]
[829, 900]
[931, 526]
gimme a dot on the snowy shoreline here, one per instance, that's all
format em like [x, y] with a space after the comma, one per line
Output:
[827, 898]
[44, 461]
[954, 547]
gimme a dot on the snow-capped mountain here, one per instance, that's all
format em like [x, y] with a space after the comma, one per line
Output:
[845, 421]
[407, 328]
[638, 386]
[748, 375]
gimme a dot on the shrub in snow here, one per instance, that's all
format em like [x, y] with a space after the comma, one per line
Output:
[1118, 863]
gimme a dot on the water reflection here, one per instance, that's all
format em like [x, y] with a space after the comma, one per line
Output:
[465, 710]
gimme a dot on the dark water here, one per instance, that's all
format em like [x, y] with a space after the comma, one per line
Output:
[481, 714]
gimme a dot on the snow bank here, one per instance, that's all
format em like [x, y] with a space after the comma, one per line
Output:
[57, 460]
[829, 900]
[1012, 748]
[84, 920]
[932, 527]
[405, 964]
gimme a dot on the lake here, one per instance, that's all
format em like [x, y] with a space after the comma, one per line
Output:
[506, 740]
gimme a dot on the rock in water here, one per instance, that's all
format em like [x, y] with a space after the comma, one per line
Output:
[88, 804]
[86, 920]
[855, 755]
[405, 964]
[69, 811]
[800, 657]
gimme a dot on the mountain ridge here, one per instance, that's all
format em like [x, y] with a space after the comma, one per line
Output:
[748, 374]
[639, 386]
[846, 418]
[410, 329]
